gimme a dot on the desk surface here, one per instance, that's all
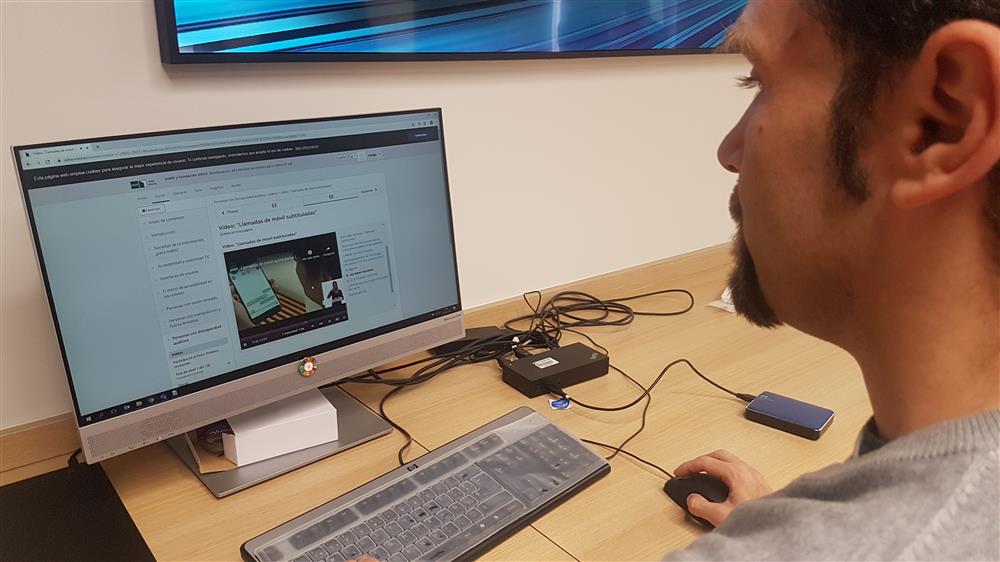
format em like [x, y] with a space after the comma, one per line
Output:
[625, 516]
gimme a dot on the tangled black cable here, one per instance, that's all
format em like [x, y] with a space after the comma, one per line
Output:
[563, 311]
[545, 329]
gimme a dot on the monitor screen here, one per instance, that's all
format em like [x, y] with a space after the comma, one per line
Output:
[226, 30]
[181, 261]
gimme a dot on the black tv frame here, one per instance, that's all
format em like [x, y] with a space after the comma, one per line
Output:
[166, 25]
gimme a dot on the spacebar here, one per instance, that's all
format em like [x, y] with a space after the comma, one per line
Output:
[468, 538]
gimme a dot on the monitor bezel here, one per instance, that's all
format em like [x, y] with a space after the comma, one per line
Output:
[266, 366]
[166, 26]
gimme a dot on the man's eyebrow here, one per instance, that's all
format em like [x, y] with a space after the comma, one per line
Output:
[737, 40]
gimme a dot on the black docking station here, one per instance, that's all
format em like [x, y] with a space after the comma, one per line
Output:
[559, 368]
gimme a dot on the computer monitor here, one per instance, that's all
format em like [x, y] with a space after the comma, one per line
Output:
[190, 272]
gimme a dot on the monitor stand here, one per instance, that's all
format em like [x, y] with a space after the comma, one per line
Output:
[356, 423]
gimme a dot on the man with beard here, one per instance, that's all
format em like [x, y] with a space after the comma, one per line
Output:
[868, 206]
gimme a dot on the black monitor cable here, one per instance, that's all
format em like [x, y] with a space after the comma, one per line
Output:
[645, 394]
[628, 454]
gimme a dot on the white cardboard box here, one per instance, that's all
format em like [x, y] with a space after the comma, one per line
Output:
[302, 421]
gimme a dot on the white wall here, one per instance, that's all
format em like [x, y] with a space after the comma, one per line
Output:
[559, 170]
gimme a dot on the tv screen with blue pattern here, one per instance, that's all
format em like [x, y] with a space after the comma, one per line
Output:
[220, 30]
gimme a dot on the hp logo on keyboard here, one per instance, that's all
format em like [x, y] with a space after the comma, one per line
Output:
[412, 467]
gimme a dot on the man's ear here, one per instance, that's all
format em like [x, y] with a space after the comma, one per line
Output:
[952, 108]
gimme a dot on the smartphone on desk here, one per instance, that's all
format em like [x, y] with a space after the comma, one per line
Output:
[788, 414]
[255, 291]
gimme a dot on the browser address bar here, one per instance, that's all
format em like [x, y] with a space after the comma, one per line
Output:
[164, 148]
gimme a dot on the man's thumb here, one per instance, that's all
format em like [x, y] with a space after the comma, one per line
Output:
[700, 507]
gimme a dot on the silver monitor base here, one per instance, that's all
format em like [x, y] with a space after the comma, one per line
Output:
[357, 424]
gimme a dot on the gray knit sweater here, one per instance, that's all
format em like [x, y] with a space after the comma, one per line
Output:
[931, 495]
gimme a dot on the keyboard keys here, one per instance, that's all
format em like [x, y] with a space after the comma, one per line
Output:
[347, 538]
[386, 497]
[450, 529]
[393, 545]
[322, 530]
[444, 466]
[350, 552]
[467, 472]
[444, 510]
[438, 536]
[366, 544]
[380, 536]
[425, 544]
[494, 502]
[361, 529]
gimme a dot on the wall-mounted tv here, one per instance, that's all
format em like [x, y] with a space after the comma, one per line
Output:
[210, 31]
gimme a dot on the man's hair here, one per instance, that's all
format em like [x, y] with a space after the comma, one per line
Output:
[878, 38]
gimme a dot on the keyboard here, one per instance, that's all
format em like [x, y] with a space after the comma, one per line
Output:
[453, 503]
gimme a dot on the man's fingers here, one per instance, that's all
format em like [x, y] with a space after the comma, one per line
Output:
[714, 513]
[724, 455]
[711, 465]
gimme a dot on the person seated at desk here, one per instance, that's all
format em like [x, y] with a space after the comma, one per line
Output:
[868, 206]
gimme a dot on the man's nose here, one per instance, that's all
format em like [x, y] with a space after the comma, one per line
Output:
[730, 152]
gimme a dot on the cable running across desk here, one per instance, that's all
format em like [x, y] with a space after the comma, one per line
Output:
[561, 313]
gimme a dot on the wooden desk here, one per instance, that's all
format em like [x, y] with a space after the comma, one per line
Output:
[625, 516]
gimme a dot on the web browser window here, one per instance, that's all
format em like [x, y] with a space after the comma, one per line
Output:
[179, 261]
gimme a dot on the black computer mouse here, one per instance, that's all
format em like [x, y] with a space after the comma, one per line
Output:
[713, 489]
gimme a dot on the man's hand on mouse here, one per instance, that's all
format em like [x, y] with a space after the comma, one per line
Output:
[744, 481]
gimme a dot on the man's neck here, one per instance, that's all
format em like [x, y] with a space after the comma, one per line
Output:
[929, 339]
